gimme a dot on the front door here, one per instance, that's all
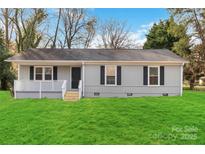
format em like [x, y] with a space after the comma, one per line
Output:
[75, 77]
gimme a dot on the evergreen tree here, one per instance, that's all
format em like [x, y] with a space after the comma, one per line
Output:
[168, 35]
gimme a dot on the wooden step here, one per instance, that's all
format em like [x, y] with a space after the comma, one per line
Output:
[71, 96]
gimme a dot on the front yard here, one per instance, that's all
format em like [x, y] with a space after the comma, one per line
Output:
[147, 120]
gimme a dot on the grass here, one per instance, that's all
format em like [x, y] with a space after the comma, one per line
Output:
[146, 120]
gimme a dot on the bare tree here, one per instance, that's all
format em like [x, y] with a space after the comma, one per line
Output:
[73, 22]
[90, 32]
[78, 28]
[57, 28]
[115, 34]
[27, 34]
[5, 17]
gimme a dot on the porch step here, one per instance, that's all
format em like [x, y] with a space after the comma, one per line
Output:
[71, 96]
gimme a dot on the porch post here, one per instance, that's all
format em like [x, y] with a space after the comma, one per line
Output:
[83, 79]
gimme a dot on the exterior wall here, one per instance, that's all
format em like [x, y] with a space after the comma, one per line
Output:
[63, 73]
[132, 82]
[34, 94]
[24, 72]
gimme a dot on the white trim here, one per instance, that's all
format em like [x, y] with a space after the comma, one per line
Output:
[96, 61]
[83, 78]
[15, 89]
[181, 85]
[43, 72]
[19, 71]
[71, 76]
[158, 74]
[115, 76]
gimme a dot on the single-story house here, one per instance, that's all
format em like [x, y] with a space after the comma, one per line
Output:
[76, 73]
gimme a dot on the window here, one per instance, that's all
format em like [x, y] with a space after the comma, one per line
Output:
[39, 73]
[110, 75]
[48, 73]
[43, 73]
[153, 75]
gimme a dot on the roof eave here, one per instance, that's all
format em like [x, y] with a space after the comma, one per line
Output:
[97, 61]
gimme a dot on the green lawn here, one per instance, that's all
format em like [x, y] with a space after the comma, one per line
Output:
[147, 120]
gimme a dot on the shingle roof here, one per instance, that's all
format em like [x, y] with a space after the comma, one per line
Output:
[97, 55]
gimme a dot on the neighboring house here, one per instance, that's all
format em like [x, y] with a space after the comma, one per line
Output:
[75, 73]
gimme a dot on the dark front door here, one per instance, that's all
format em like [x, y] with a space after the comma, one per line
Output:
[76, 76]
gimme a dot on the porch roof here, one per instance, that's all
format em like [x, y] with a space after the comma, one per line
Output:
[151, 55]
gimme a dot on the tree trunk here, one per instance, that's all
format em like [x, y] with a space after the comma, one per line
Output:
[7, 27]
[192, 82]
[56, 32]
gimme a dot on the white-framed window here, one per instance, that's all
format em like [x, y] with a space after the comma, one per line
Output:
[153, 75]
[48, 73]
[43, 73]
[38, 73]
[110, 74]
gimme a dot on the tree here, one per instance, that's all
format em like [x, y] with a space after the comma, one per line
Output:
[115, 35]
[57, 29]
[173, 36]
[5, 18]
[193, 69]
[90, 31]
[194, 20]
[6, 72]
[159, 37]
[78, 29]
[26, 28]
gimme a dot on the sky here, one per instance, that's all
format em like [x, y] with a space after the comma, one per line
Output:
[139, 20]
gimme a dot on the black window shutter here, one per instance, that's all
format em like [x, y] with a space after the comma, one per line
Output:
[145, 75]
[161, 75]
[55, 73]
[102, 74]
[31, 72]
[118, 75]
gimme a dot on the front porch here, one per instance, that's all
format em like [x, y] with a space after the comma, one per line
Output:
[45, 80]
[46, 89]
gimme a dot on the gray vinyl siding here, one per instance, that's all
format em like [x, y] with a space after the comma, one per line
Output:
[24, 72]
[63, 74]
[132, 82]
[35, 94]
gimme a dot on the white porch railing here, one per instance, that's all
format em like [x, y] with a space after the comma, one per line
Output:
[80, 89]
[40, 86]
